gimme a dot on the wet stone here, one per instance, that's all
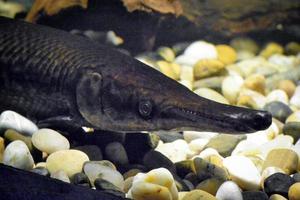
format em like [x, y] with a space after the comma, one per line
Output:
[80, 179]
[193, 178]
[167, 136]
[292, 129]
[210, 185]
[11, 135]
[154, 159]
[92, 151]
[198, 195]
[116, 153]
[184, 167]
[278, 110]
[104, 185]
[60, 175]
[131, 173]
[277, 197]
[251, 195]
[229, 190]
[278, 183]
[41, 171]
[294, 192]
[296, 177]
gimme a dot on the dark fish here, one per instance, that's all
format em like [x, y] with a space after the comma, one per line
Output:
[53, 76]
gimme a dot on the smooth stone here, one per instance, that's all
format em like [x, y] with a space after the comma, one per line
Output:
[214, 83]
[187, 73]
[99, 169]
[154, 159]
[184, 167]
[229, 190]
[268, 172]
[256, 82]
[296, 177]
[116, 153]
[294, 192]
[185, 60]
[168, 136]
[92, 151]
[104, 185]
[271, 49]
[295, 117]
[225, 143]
[203, 168]
[179, 48]
[211, 94]
[277, 197]
[12, 135]
[292, 48]
[295, 99]
[193, 178]
[166, 53]
[244, 43]
[278, 95]
[176, 151]
[201, 50]
[2, 147]
[231, 87]
[285, 159]
[288, 86]
[283, 62]
[41, 164]
[60, 175]
[251, 99]
[253, 195]
[198, 145]
[192, 135]
[292, 129]
[210, 185]
[198, 195]
[243, 172]
[278, 110]
[41, 171]
[17, 155]
[278, 183]
[244, 55]
[167, 69]
[226, 54]
[71, 161]
[128, 184]
[12, 120]
[187, 84]
[80, 179]
[49, 141]
[131, 173]
[208, 152]
[156, 184]
[208, 67]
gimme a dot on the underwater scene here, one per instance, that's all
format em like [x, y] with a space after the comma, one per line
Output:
[149, 100]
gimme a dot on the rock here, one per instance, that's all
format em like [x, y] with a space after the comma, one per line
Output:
[204, 168]
[244, 55]
[277, 197]
[296, 177]
[156, 184]
[201, 50]
[2, 147]
[292, 48]
[288, 86]
[278, 95]
[155, 159]
[104, 185]
[60, 175]
[225, 143]
[12, 135]
[210, 185]
[208, 67]
[167, 69]
[229, 190]
[292, 129]
[41, 171]
[187, 73]
[294, 192]
[243, 172]
[166, 53]
[18, 155]
[271, 49]
[12, 120]
[226, 54]
[92, 151]
[184, 167]
[198, 145]
[185, 60]
[231, 87]
[244, 44]
[128, 184]
[278, 110]
[251, 195]
[278, 183]
[71, 161]
[80, 179]
[285, 159]
[268, 172]
[198, 195]
[295, 117]
[116, 153]
[211, 94]
[208, 152]
[192, 135]
[49, 141]
[131, 173]
[179, 47]
[214, 83]
[99, 169]
[187, 84]
[256, 82]
[283, 63]
[169, 136]
[295, 99]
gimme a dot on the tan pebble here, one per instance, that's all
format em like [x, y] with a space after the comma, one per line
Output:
[41, 164]
[166, 53]
[288, 86]
[256, 82]
[271, 49]
[277, 197]
[12, 135]
[187, 73]
[131, 173]
[208, 67]
[167, 69]
[295, 117]
[198, 195]
[294, 192]
[226, 54]
[285, 159]
[181, 195]
[177, 69]
[210, 185]
[128, 184]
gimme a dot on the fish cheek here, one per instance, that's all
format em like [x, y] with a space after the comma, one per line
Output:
[88, 97]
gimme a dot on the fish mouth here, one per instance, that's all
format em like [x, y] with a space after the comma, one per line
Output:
[225, 119]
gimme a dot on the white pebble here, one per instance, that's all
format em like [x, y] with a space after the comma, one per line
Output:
[192, 135]
[201, 50]
[278, 95]
[229, 190]
[197, 145]
[295, 99]
[231, 87]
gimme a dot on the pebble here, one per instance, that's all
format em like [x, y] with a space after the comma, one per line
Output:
[278, 95]
[295, 99]
[292, 129]
[198, 195]
[253, 195]
[128, 184]
[251, 99]
[294, 192]
[103, 170]
[11, 135]
[243, 172]
[169, 136]
[201, 50]
[288, 86]
[208, 67]
[155, 159]
[285, 159]
[295, 117]
[271, 49]
[283, 62]
[167, 70]
[104, 185]
[17, 154]
[2, 147]
[187, 84]
[92, 151]
[226, 54]
[268, 172]
[131, 173]
[80, 179]
[277, 197]
[256, 82]
[231, 87]
[41, 171]
[49, 141]
[229, 190]
[210, 185]
[278, 183]
[296, 177]
[198, 145]
[278, 110]
[225, 143]
[203, 168]
[116, 153]
[156, 184]
[60, 175]
[166, 53]
[71, 161]
[187, 73]
[292, 48]
[214, 83]
[12, 120]
[211, 94]
[244, 43]
[192, 135]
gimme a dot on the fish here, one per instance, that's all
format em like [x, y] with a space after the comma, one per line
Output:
[52, 76]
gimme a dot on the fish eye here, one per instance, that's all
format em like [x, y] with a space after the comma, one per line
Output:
[145, 108]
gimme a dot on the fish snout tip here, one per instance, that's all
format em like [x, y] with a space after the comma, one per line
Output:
[260, 120]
